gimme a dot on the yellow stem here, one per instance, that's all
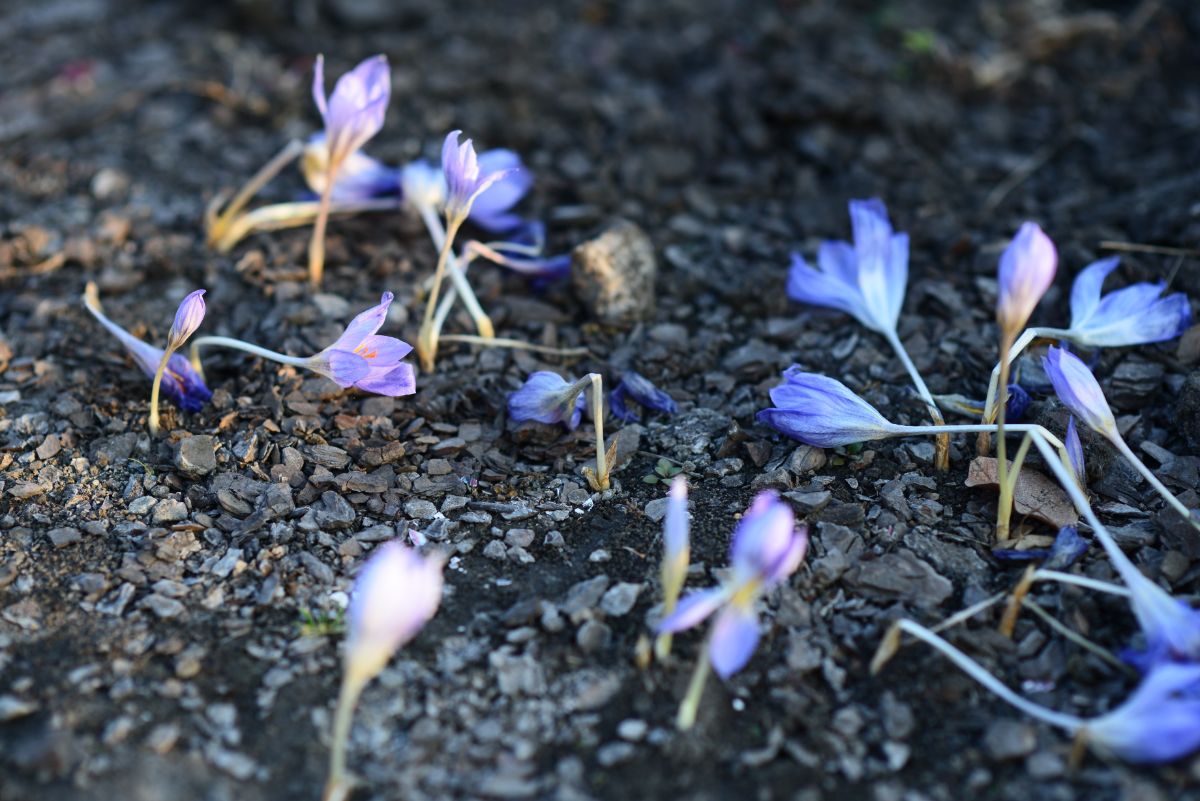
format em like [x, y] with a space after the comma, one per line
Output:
[1002, 514]
[691, 702]
[316, 245]
[427, 338]
[154, 391]
[336, 787]
[598, 421]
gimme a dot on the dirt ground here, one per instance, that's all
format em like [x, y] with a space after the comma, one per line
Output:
[153, 634]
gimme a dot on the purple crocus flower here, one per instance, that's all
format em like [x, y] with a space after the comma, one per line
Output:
[188, 317]
[634, 386]
[355, 111]
[548, 398]
[395, 595]
[1078, 389]
[767, 548]
[1159, 722]
[424, 184]
[1135, 315]
[1075, 452]
[359, 177]
[363, 359]
[867, 279]
[1068, 546]
[676, 543]
[467, 180]
[180, 383]
[1027, 269]
[1018, 403]
[822, 411]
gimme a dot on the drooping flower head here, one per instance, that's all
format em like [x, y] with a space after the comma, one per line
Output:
[180, 383]
[467, 178]
[359, 177]
[1159, 722]
[424, 184]
[867, 279]
[363, 359]
[822, 411]
[1075, 453]
[1068, 546]
[767, 548]
[635, 387]
[188, 317]
[1018, 403]
[1135, 315]
[1079, 391]
[395, 594]
[1027, 269]
[548, 398]
[355, 111]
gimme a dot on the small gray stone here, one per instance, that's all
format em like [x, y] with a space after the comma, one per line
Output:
[614, 274]
[656, 509]
[62, 537]
[632, 729]
[142, 505]
[495, 550]
[614, 753]
[169, 510]
[593, 635]
[1010, 739]
[583, 597]
[519, 537]
[620, 599]
[163, 606]
[197, 455]
[420, 509]
[900, 575]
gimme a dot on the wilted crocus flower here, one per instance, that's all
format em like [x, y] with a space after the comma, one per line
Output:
[1078, 389]
[548, 398]
[1026, 271]
[767, 548]
[359, 178]
[182, 385]
[1068, 546]
[676, 553]
[824, 412]
[1134, 315]
[468, 176]
[395, 595]
[867, 279]
[1018, 403]
[363, 359]
[635, 387]
[1075, 453]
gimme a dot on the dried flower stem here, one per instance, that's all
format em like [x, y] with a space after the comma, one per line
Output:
[217, 223]
[686, 718]
[1014, 350]
[155, 388]
[1002, 513]
[337, 786]
[316, 245]
[598, 422]
[942, 454]
[483, 323]
[427, 338]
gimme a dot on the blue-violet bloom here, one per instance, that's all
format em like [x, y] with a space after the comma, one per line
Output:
[180, 382]
[676, 543]
[635, 387]
[468, 177]
[1159, 722]
[355, 111]
[1068, 546]
[1079, 391]
[363, 359]
[1027, 269]
[1075, 453]
[767, 548]
[424, 184]
[548, 398]
[822, 411]
[1018, 403]
[1135, 315]
[188, 317]
[867, 279]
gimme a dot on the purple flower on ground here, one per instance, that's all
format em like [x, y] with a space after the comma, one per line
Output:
[424, 184]
[822, 411]
[767, 548]
[635, 387]
[355, 111]
[1135, 315]
[1068, 546]
[1075, 453]
[1079, 391]
[467, 180]
[548, 398]
[395, 595]
[1159, 722]
[180, 383]
[1018, 403]
[359, 177]
[363, 359]
[867, 279]
[1026, 271]
[188, 317]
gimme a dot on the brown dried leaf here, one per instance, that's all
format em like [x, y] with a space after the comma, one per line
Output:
[1034, 495]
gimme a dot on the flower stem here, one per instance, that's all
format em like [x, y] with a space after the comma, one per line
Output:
[1002, 514]
[686, 718]
[942, 454]
[278, 216]
[517, 344]
[1022, 342]
[973, 428]
[316, 245]
[1007, 489]
[1081, 581]
[237, 344]
[154, 391]
[336, 786]
[598, 422]
[217, 224]
[427, 338]
[483, 323]
[1119, 443]
[1070, 723]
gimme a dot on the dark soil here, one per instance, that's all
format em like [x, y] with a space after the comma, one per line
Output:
[142, 657]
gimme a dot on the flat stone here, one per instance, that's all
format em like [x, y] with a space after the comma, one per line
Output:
[163, 606]
[593, 636]
[169, 510]
[197, 455]
[140, 506]
[420, 509]
[1010, 739]
[619, 599]
[62, 537]
[613, 274]
[656, 509]
[900, 575]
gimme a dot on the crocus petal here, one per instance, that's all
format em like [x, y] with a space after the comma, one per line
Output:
[1134, 315]
[882, 261]
[491, 208]
[1026, 271]
[1085, 291]
[423, 185]
[345, 368]
[823, 412]
[766, 545]
[1171, 627]
[1067, 548]
[1078, 389]
[824, 288]
[357, 107]
[640, 389]
[381, 350]
[675, 526]
[547, 398]
[395, 595]
[1159, 722]
[399, 380]
[359, 177]
[1017, 405]
[1075, 453]
[733, 640]
[188, 317]
[693, 610]
[364, 325]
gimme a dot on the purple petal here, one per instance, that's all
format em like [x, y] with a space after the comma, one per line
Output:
[491, 208]
[693, 610]
[1159, 722]
[188, 317]
[345, 368]
[395, 594]
[381, 350]
[364, 325]
[825, 288]
[1075, 453]
[733, 640]
[357, 107]
[1027, 269]
[547, 398]
[1078, 390]
[675, 524]
[1085, 291]
[823, 412]
[400, 380]
[877, 268]
[766, 544]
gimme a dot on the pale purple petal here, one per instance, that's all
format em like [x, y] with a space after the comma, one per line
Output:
[345, 368]
[1027, 269]
[492, 208]
[807, 284]
[733, 640]
[693, 610]
[357, 106]
[1159, 722]
[400, 380]
[1079, 391]
[188, 317]
[364, 325]
[873, 252]
[822, 411]
[1085, 291]
[766, 545]
[675, 526]
[1075, 453]
[547, 397]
